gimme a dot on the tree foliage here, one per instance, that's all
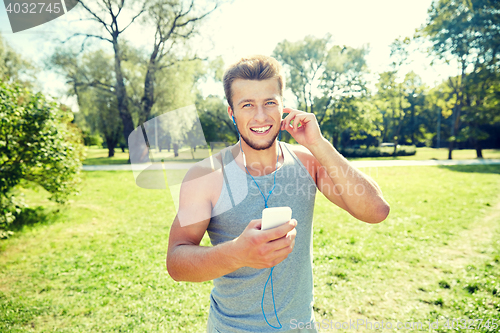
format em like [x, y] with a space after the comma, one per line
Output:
[173, 22]
[38, 144]
[12, 65]
[467, 32]
[329, 80]
[402, 106]
[212, 109]
[90, 78]
[215, 121]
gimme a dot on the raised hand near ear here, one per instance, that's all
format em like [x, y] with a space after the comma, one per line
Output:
[303, 127]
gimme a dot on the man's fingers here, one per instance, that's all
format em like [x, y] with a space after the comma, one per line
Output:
[282, 252]
[295, 120]
[284, 241]
[282, 230]
[291, 114]
[255, 224]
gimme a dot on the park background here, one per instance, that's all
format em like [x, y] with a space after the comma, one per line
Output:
[388, 80]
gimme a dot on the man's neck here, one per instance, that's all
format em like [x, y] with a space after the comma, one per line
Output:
[259, 162]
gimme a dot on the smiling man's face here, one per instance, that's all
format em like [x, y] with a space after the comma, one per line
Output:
[257, 109]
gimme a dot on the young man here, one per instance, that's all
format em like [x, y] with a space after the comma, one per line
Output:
[226, 195]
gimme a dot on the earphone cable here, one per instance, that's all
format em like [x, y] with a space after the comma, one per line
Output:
[265, 204]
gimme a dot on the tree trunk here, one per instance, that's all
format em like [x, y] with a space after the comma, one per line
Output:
[412, 126]
[121, 93]
[385, 121]
[335, 140]
[396, 137]
[147, 101]
[450, 150]
[452, 138]
[438, 140]
[111, 146]
[176, 150]
[479, 150]
[458, 109]
[400, 123]
[455, 130]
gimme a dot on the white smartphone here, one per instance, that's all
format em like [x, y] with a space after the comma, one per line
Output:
[275, 216]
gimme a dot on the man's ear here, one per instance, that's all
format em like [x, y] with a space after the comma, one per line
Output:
[230, 112]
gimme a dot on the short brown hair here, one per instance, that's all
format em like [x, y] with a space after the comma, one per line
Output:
[256, 67]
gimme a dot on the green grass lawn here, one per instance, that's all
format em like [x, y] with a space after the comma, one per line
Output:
[99, 156]
[99, 264]
[442, 154]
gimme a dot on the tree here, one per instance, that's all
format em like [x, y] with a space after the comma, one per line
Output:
[173, 24]
[399, 54]
[215, 122]
[99, 110]
[327, 80]
[436, 114]
[305, 62]
[12, 65]
[38, 144]
[212, 110]
[352, 118]
[176, 87]
[174, 21]
[401, 105]
[414, 91]
[482, 105]
[386, 101]
[342, 80]
[89, 78]
[467, 32]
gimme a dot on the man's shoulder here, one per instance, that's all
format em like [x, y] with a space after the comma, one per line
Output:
[208, 169]
[204, 179]
[199, 191]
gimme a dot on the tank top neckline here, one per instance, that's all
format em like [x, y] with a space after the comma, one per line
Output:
[229, 158]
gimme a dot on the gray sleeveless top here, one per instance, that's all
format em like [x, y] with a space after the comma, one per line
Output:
[235, 301]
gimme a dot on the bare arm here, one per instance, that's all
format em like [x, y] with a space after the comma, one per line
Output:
[187, 261]
[339, 181]
[348, 187]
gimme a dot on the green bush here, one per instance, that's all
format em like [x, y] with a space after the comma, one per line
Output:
[91, 139]
[38, 144]
[378, 151]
